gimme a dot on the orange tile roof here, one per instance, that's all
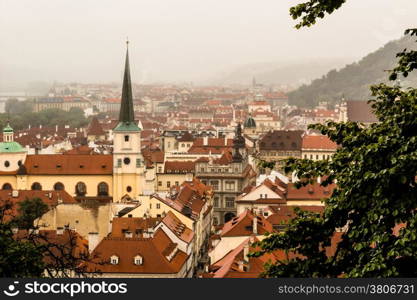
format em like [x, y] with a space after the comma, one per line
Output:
[318, 142]
[94, 128]
[178, 228]
[179, 167]
[242, 225]
[284, 213]
[152, 250]
[134, 225]
[310, 192]
[58, 164]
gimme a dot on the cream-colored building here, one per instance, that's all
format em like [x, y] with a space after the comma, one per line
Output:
[317, 147]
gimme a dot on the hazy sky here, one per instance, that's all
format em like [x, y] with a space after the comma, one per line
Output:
[83, 40]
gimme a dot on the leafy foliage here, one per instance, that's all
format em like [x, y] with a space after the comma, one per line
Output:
[407, 59]
[30, 252]
[311, 10]
[29, 211]
[375, 169]
[17, 258]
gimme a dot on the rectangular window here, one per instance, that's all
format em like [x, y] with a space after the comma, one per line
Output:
[158, 205]
[159, 169]
[137, 162]
[126, 138]
[230, 202]
[177, 183]
[230, 185]
[119, 162]
[216, 202]
[215, 184]
[159, 183]
[168, 183]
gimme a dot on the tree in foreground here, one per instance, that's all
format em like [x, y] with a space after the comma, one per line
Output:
[373, 208]
[27, 251]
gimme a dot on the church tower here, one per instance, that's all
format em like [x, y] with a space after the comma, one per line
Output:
[128, 169]
[239, 146]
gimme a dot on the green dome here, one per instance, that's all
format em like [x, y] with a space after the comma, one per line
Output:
[10, 147]
[249, 123]
[7, 128]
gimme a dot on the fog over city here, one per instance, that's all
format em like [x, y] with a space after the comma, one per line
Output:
[181, 40]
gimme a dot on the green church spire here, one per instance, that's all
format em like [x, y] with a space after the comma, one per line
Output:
[127, 114]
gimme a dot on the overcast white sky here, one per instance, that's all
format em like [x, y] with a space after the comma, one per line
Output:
[83, 40]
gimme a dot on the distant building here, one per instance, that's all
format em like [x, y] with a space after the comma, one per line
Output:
[317, 147]
[357, 111]
[228, 175]
[280, 144]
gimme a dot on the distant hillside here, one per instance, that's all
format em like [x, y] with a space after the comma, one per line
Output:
[280, 73]
[353, 81]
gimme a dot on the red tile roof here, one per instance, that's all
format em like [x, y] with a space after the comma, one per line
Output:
[173, 167]
[242, 225]
[134, 225]
[58, 164]
[94, 128]
[154, 252]
[360, 111]
[310, 192]
[317, 142]
[178, 228]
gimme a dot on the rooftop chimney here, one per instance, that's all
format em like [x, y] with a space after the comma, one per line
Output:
[255, 224]
[246, 252]
[59, 230]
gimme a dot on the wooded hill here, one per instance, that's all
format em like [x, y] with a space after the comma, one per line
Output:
[352, 82]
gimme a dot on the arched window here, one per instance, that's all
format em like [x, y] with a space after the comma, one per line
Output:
[228, 216]
[59, 186]
[36, 186]
[114, 259]
[7, 186]
[103, 189]
[80, 189]
[138, 260]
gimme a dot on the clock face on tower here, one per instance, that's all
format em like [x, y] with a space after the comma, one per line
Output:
[126, 160]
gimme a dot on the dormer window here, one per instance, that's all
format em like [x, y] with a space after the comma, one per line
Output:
[114, 259]
[138, 260]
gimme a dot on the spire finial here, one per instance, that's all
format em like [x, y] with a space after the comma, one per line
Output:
[127, 42]
[127, 114]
